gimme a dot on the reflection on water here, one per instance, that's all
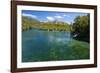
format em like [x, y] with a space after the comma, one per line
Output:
[59, 36]
[38, 45]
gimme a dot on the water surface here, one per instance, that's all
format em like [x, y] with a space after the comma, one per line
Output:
[39, 45]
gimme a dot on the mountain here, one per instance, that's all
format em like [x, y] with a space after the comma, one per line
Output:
[28, 22]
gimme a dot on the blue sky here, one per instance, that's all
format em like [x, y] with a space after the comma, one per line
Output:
[45, 16]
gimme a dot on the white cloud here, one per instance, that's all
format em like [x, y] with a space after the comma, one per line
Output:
[50, 18]
[64, 15]
[58, 16]
[68, 15]
[29, 15]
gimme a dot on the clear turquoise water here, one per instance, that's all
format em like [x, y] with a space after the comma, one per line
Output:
[39, 45]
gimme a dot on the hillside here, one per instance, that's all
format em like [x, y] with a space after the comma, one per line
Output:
[28, 23]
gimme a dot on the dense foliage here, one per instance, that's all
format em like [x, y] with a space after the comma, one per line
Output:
[80, 28]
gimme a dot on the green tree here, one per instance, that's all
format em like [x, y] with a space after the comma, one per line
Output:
[80, 28]
[28, 23]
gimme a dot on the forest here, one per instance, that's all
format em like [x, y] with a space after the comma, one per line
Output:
[81, 28]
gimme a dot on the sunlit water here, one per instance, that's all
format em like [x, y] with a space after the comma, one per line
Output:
[39, 45]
